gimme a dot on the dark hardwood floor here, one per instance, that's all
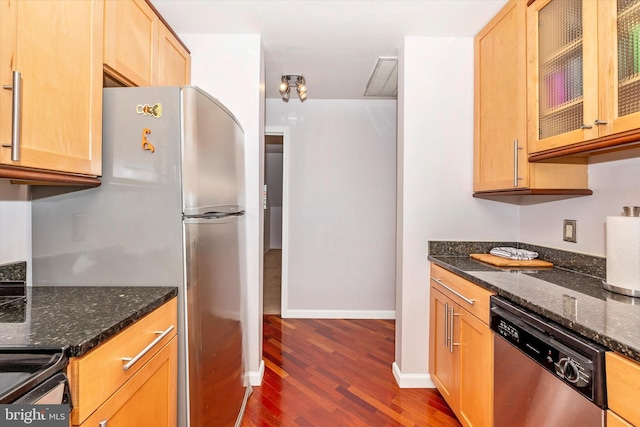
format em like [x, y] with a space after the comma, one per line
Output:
[337, 373]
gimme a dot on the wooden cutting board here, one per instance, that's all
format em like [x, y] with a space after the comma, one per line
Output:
[506, 262]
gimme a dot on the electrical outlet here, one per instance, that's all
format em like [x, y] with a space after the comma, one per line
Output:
[569, 230]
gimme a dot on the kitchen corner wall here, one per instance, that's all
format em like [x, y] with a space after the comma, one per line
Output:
[15, 224]
[435, 184]
[615, 181]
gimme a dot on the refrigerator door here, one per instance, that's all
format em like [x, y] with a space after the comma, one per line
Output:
[212, 153]
[128, 231]
[215, 313]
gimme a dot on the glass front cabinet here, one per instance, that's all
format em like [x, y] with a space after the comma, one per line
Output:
[584, 70]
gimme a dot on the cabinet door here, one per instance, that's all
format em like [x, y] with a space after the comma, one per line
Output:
[619, 72]
[60, 114]
[174, 61]
[149, 398]
[474, 340]
[441, 356]
[563, 73]
[131, 42]
[500, 154]
[614, 420]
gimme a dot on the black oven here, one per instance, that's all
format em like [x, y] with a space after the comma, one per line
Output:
[34, 376]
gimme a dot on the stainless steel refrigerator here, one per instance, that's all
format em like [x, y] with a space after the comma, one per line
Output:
[169, 212]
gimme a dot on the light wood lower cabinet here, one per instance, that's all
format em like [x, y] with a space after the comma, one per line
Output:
[614, 420]
[461, 347]
[143, 394]
[623, 390]
[148, 399]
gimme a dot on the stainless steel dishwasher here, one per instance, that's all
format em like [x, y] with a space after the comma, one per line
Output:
[544, 375]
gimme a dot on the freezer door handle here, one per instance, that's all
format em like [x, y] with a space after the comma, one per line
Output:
[215, 215]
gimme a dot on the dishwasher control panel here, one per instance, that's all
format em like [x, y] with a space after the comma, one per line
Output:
[559, 352]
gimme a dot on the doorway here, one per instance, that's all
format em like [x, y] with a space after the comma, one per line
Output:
[275, 221]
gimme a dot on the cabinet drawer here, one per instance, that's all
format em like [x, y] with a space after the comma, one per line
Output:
[98, 374]
[148, 399]
[623, 386]
[470, 296]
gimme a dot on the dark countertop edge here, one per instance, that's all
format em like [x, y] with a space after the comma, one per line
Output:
[575, 327]
[77, 350]
[14, 271]
[590, 265]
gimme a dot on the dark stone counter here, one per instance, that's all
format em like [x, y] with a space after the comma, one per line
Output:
[76, 316]
[570, 294]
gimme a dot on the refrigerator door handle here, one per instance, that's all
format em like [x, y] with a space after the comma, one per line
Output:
[214, 215]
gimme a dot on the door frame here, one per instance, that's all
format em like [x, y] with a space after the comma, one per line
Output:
[284, 132]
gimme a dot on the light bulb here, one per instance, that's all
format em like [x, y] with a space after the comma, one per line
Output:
[300, 83]
[284, 85]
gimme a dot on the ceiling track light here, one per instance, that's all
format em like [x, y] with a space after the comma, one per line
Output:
[287, 81]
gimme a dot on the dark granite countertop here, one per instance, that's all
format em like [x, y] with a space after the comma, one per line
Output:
[75, 316]
[568, 297]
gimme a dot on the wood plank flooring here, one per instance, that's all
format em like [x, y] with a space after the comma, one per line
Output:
[327, 372]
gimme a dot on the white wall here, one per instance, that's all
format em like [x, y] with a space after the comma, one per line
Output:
[218, 63]
[435, 183]
[15, 224]
[341, 206]
[615, 181]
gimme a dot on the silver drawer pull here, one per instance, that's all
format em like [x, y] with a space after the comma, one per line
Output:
[16, 109]
[103, 423]
[132, 360]
[467, 300]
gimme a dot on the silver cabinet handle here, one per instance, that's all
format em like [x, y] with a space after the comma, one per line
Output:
[132, 360]
[103, 423]
[453, 291]
[451, 330]
[586, 126]
[515, 162]
[16, 108]
[446, 324]
[599, 122]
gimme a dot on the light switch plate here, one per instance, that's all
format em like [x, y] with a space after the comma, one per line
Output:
[569, 230]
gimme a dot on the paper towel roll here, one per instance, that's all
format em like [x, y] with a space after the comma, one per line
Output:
[623, 253]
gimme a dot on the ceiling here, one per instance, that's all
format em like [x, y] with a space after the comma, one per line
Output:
[333, 43]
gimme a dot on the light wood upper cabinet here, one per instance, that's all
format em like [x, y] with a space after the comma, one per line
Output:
[584, 71]
[500, 124]
[500, 158]
[131, 41]
[174, 61]
[139, 49]
[57, 48]
[461, 347]
[619, 65]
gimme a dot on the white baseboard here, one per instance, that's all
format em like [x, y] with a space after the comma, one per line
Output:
[255, 377]
[411, 380]
[339, 314]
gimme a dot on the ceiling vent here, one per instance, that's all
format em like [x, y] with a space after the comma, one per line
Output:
[384, 78]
